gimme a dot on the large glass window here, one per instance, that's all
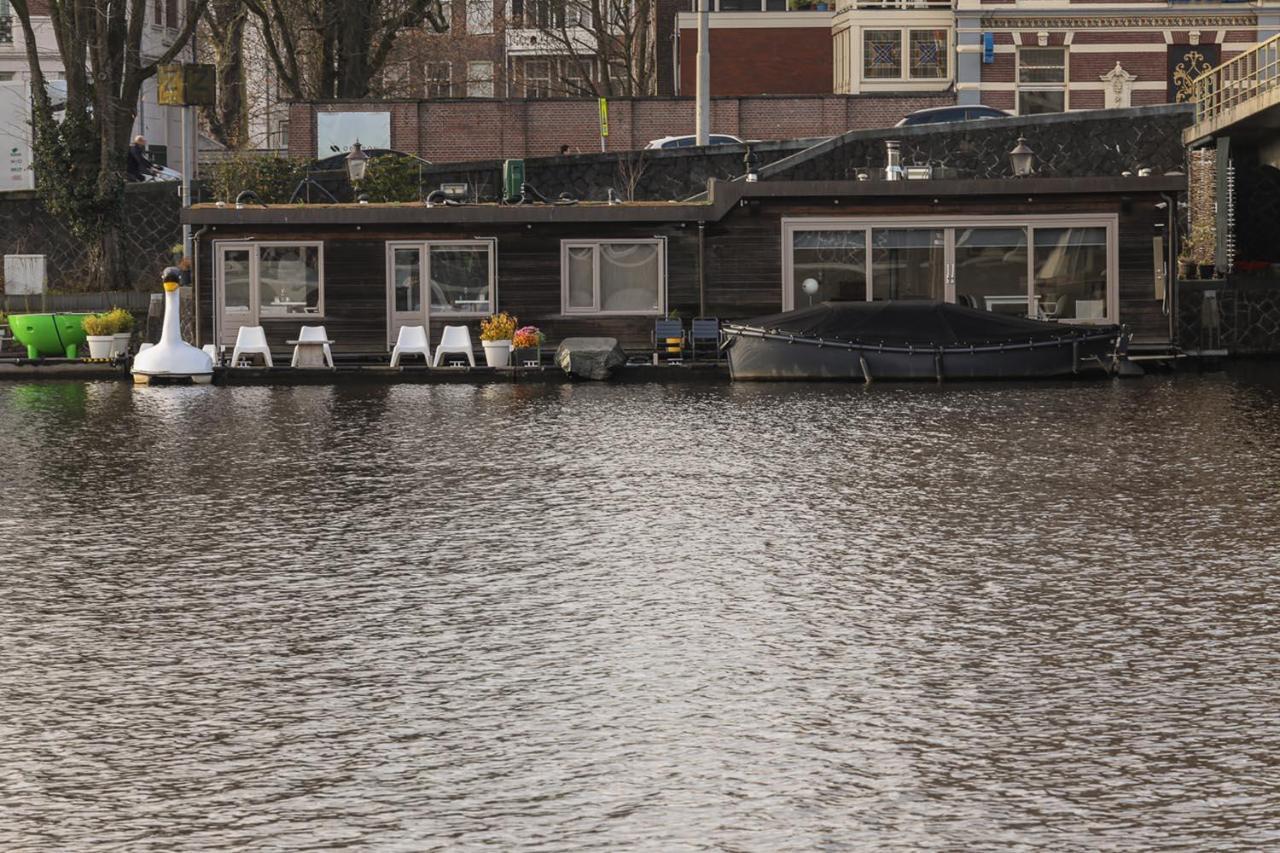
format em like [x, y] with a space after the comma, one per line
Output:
[335, 132]
[991, 269]
[460, 277]
[1071, 273]
[619, 277]
[288, 280]
[829, 266]
[236, 280]
[1042, 76]
[908, 263]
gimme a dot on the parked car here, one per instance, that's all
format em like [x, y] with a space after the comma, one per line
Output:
[938, 115]
[691, 140]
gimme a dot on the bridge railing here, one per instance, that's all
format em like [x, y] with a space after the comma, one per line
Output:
[1226, 86]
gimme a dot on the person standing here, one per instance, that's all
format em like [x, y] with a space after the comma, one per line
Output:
[138, 166]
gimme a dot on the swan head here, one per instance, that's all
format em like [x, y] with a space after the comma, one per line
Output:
[172, 276]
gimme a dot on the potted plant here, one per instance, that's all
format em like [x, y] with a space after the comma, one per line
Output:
[1198, 250]
[122, 322]
[100, 333]
[527, 346]
[495, 334]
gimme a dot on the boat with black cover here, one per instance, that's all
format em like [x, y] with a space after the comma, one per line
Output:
[916, 339]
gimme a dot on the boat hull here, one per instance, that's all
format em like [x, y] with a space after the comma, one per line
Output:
[755, 356]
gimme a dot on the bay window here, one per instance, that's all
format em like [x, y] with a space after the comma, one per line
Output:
[906, 54]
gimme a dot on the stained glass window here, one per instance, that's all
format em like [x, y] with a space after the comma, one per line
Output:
[928, 54]
[881, 54]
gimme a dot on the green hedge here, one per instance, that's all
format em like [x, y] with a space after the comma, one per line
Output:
[272, 178]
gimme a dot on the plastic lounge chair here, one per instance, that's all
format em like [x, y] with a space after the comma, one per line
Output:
[210, 350]
[309, 335]
[705, 331]
[456, 340]
[412, 340]
[668, 341]
[251, 340]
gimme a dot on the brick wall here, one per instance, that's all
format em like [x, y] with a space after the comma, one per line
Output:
[773, 61]
[463, 130]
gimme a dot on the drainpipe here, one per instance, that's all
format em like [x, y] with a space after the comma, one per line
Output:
[893, 160]
[1171, 261]
[702, 283]
[195, 279]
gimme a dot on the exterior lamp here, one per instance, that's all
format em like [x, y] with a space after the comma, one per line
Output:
[1022, 159]
[357, 162]
[752, 161]
[810, 287]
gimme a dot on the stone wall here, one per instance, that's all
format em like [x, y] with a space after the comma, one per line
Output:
[151, 228]
[1077, 144]
[1239, 314]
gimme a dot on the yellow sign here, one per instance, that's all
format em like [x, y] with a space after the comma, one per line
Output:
[604, 116]
[185, 85]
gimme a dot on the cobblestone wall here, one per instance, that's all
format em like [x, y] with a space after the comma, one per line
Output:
[1240, 315]
[1101, 142]
[150, 223]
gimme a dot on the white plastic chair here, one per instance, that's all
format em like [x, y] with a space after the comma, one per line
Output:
[251, 340]
[210, 350]
[412, 340]
[312, 333]
[456, 340]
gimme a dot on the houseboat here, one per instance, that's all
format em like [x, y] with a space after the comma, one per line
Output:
[1083, 251]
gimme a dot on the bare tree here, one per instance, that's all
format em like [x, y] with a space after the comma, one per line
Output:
[223, 41]
[601, 48]
[631, 168]
[336, 48]
[80, 160]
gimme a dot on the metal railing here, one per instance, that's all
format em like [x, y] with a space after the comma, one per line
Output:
[1227, 86]
[900, 5]
[6, 29]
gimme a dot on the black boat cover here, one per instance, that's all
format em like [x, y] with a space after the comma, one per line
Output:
[914, 323]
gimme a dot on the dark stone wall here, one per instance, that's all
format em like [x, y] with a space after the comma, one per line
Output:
[1093, 143]
[151, 227]
[1240, 315]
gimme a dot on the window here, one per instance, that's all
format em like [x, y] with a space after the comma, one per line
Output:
[1042, 76]
[480, 16]
[881, 54]
[460, 276]
[926, 52]
[1071, 272]
[281, 139]
[615, 277]
[6, 76]
[576, 75]
[479, 79]
[438, 79]
[833, 262]
[537, 78]
[395, 79]
[335, 132]
[273, 280]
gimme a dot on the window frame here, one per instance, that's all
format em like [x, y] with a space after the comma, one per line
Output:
[949, 224]
[904, 74]
[428, 80]
[594, 244]
[490, 80]
[254, 247]
[424, 247]
[1063, 87]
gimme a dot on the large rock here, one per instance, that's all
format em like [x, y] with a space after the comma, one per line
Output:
[590, 358]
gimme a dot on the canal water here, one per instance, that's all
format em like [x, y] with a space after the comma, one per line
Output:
[592, 617]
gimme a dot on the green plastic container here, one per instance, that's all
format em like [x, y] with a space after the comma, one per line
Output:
[48, 334]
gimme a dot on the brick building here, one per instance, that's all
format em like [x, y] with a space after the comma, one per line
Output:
[758, 47]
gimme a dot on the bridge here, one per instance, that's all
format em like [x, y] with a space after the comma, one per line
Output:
[1240, 99]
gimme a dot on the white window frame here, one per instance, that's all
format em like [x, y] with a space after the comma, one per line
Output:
[1109, 221]
[1020, 87]
[425, 247]
[427, 79]
[551, 70]
[594, 245]
[480, 80]
[475, 23]
[254, 248]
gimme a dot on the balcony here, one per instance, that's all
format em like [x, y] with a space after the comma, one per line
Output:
[900, 5]
[6, 29]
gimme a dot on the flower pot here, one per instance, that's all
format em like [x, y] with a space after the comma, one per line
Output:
[100, 346]
[526, 356]
[497, 353]
[121, 343]
[1206, 271]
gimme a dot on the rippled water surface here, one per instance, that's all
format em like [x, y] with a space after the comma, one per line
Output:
[741, 618]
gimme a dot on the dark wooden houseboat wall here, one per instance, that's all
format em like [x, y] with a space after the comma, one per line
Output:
[741, 248]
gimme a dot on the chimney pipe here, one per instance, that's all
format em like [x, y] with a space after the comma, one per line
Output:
[893, 160]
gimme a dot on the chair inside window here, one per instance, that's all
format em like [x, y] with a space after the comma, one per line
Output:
[250, 341]
[455, 340]
[668, 341]
[704, 335]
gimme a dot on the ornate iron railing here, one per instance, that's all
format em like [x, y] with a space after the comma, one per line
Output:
[1254, 73]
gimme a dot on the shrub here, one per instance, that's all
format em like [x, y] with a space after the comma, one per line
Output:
[97, 325]
[499, 327]
[272, 178]
[392, 178]
[121, 319]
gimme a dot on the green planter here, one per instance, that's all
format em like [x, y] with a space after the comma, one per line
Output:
[48, 334]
